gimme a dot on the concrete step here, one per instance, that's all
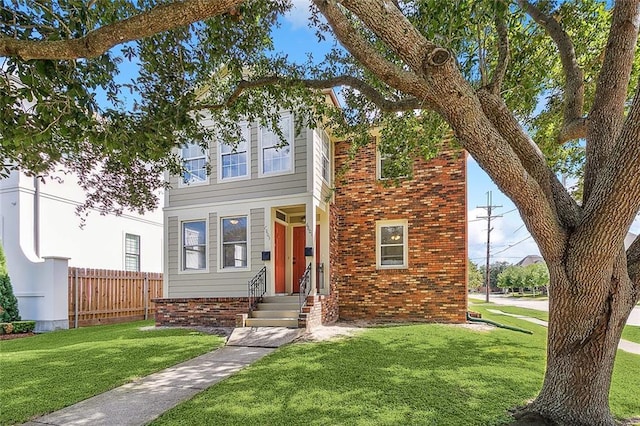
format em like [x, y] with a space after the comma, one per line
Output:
[278, 307]
[272, 322]
[275, 314]
[280, 299]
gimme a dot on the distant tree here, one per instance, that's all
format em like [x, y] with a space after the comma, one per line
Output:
[8, 302]
[511, 277]
[537, 275]
[475, 276]
[494, 270]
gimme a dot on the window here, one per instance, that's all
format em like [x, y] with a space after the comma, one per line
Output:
[276, 157]
[234, 242]
[391, 244]
[234, 162]
[326, 154]
[194, 159]
[194, 245]
[392, 165]
[132, 252]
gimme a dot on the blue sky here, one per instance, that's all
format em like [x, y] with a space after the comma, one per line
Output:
[510, 240]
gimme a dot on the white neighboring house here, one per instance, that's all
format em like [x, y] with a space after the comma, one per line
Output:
[41, 236]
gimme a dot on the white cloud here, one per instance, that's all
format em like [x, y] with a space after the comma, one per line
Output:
[509, 240]
[299, 14]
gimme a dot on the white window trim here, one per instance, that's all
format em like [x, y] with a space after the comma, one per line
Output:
[220, 250]
[329, 156]
[181, 223]
[124, 251]
[182, 183]
[292, 169]
[245, 131]
[405, 252]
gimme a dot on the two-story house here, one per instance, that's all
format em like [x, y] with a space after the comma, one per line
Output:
[272, 217]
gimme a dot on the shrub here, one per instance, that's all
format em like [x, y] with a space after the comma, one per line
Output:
[24, 326]
[7, 327]
[8, 302]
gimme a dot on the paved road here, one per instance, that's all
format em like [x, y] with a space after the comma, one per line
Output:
[540, 305]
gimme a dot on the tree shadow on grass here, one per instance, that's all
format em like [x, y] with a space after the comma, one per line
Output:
[401, 375]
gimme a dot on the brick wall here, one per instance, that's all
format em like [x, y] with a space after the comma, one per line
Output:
[433, 288]
[208, 312]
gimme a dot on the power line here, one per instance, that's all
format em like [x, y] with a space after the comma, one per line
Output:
[512, 245]
[489, 207]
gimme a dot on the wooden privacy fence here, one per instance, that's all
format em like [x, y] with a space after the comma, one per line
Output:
[100, 296]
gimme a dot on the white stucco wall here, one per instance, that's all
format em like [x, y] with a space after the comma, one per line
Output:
[99, 244]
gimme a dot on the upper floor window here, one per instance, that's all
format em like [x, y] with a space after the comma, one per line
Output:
[392, 247]
[194, 245]
[132, 252]
[194, 158]
[326, 155]
[390, 167]
[276, 156]
[234, 242]
[234, 160]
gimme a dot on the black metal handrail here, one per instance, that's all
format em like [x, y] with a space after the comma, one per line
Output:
[305, 286]
[257, 288]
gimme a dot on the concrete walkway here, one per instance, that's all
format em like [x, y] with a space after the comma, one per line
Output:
[142, 401]
[623, 345]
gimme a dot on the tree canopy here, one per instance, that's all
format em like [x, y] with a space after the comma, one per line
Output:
[531, 90]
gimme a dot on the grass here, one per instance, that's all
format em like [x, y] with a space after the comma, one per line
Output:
[50, 371]
[409, 375]
[631, 333]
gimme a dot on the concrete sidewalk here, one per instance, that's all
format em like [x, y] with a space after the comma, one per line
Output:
[623, 345]
[142, 401]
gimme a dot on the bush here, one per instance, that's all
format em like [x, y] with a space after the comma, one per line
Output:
[24, 326]
[8, 302]
[6, 328]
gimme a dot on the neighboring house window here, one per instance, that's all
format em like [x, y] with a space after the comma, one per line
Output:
[276, 156]
[391, 244]
[326, 155]
[132, 252]
[234, 242]
[194, 245]
[194, 158]
[234, 162]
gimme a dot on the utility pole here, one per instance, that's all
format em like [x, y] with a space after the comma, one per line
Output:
[489, 208]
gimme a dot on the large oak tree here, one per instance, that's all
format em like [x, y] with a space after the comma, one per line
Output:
[530, 90]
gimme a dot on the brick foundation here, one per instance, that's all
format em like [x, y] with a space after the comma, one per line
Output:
[433, 287]
[208, 312]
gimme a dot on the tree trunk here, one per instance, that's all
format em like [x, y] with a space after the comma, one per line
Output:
[584, 330]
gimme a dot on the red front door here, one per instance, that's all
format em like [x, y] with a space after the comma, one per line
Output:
[299, 241]
[280, 256]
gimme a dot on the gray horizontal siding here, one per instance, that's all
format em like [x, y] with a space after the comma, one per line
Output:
[256, 187]
[214, 283]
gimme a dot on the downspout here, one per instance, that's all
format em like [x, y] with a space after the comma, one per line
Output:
[508, 327]
[36, 216]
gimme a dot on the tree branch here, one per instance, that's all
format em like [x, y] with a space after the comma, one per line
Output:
[530, 156]
[574, 83]
[386, 105]
[503, 55]
[615, 196]
[633, 264]
[95, 43]
[607, 114]
[362, 50]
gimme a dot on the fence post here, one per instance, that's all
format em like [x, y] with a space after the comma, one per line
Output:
[146, 295]
[75, 298]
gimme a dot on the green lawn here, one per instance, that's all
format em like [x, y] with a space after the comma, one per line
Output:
[414, 374]
[47, 372]
[631, 333]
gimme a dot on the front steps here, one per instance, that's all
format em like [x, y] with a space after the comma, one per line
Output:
[276, 311]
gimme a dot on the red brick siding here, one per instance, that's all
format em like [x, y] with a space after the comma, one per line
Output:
[433, 288]
[211, 312]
